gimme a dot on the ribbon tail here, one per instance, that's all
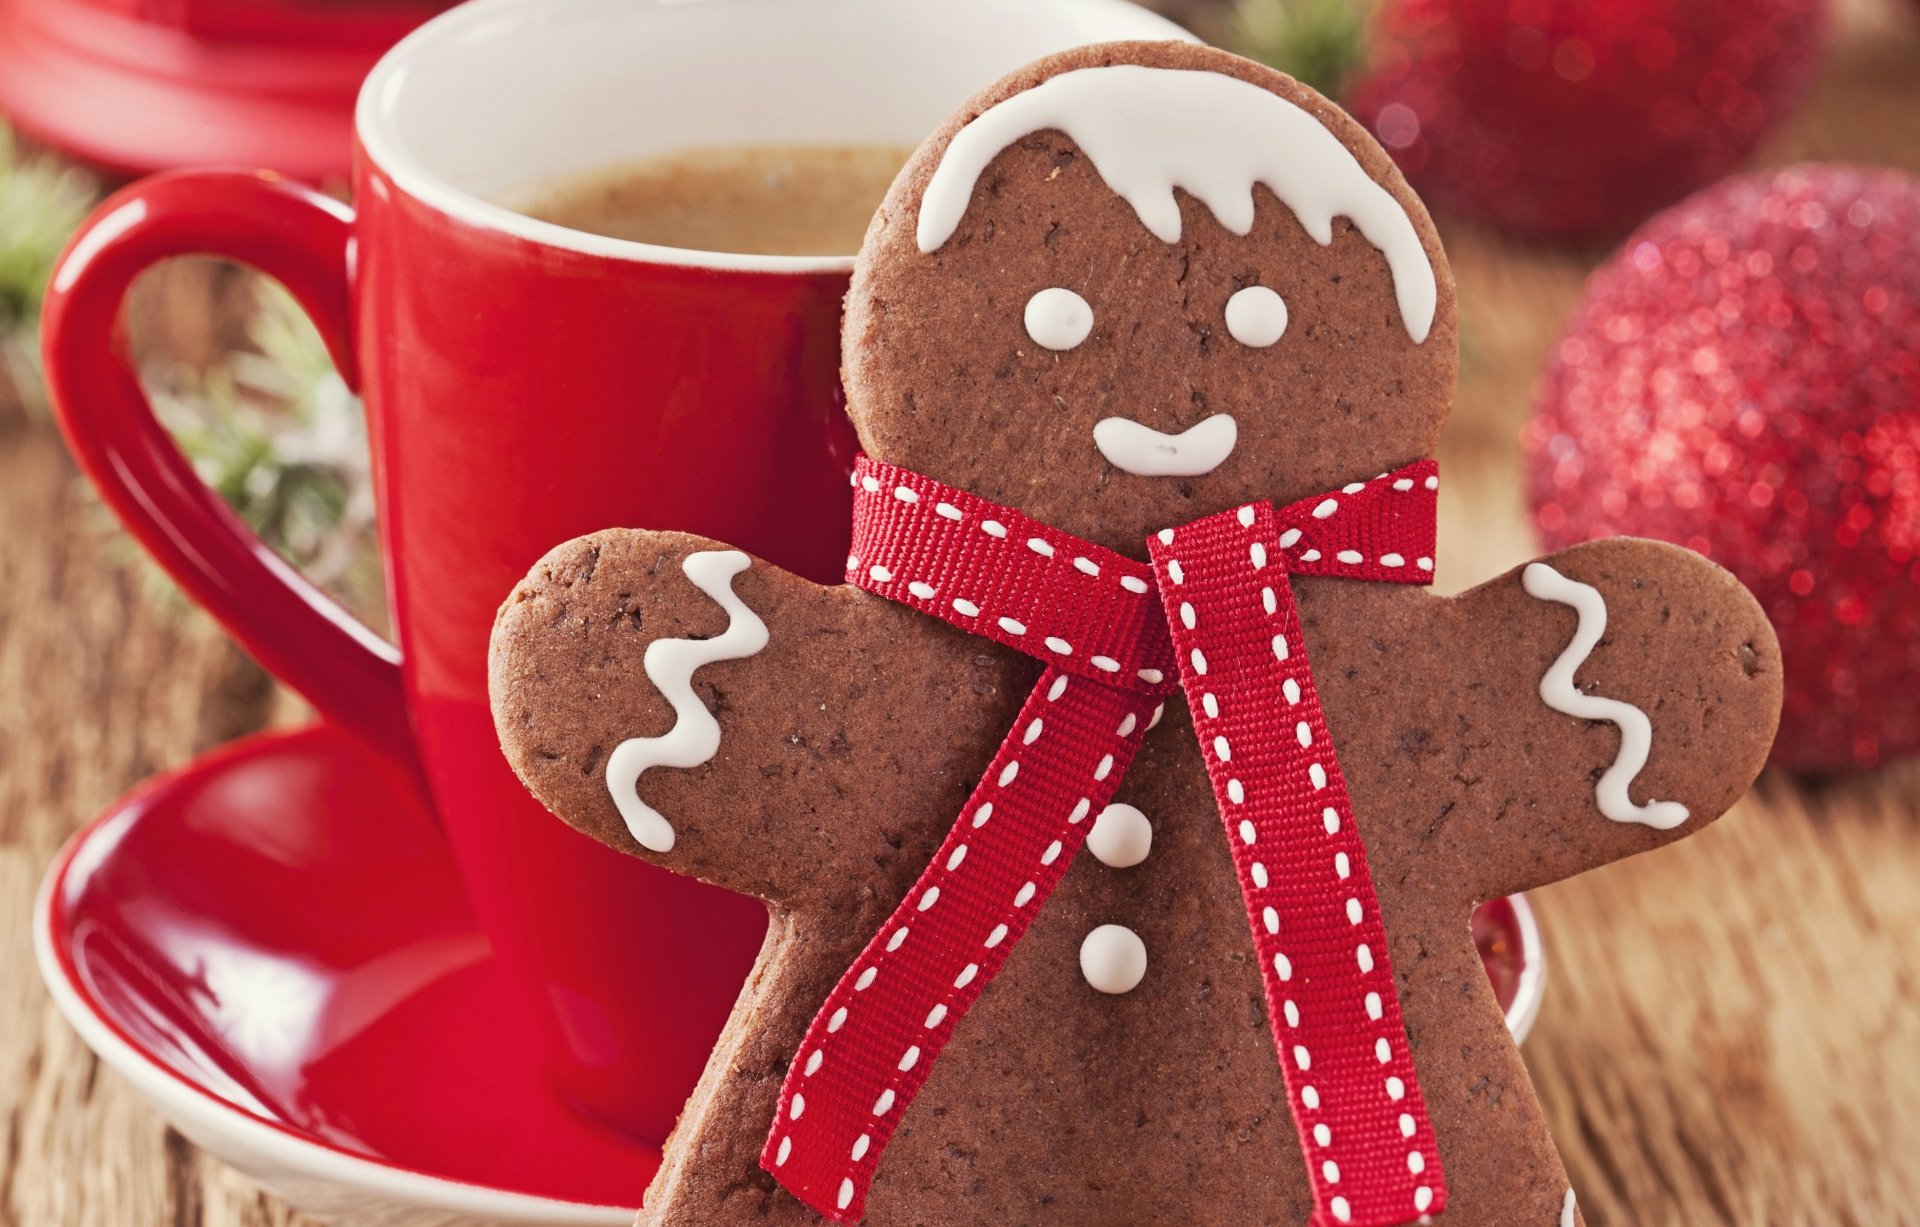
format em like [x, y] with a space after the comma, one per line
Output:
[1331, 1001]
[875, 1040]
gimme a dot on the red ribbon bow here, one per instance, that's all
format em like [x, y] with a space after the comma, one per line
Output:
[1214, 614]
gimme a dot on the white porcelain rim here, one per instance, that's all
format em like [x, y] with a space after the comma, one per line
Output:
[1530, 991]
[383, 145]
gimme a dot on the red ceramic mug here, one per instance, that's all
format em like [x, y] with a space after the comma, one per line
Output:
[526, 384]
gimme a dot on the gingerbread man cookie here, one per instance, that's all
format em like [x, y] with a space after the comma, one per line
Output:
[1147, 348]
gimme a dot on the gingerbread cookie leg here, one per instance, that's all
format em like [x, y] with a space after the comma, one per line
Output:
[1502, 1168]
[710, 1175]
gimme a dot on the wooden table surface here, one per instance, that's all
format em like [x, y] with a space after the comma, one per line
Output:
[1732, 1027]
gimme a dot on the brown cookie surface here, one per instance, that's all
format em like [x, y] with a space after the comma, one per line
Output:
[848, 740]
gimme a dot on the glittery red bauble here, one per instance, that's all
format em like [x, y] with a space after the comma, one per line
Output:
[1744, 379]
[1577, 118]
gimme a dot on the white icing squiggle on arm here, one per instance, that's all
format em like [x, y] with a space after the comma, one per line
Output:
[1566, 1210]
[670, 665]
[1636, 732]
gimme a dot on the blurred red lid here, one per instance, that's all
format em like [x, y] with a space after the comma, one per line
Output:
[141, 85]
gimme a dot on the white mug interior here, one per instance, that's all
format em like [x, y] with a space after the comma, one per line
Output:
[497, 95]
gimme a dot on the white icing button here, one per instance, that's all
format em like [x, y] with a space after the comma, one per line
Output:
[1113, 959]
[1256, 316]
[1121, 836]
[1058, 319]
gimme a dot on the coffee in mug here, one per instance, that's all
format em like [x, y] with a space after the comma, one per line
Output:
[763, 200]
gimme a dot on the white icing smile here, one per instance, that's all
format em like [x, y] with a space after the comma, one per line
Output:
[1146, 452]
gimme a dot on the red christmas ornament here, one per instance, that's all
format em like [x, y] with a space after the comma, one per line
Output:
[1572, 120]
[1744, 379]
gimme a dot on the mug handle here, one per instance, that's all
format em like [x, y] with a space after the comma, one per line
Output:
[304, 240]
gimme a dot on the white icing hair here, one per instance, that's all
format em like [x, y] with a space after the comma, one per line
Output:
[1148, 131]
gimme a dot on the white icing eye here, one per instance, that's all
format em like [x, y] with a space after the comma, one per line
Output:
[1058, 319]
[1256, 316]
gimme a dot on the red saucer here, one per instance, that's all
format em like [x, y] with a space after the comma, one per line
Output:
[271, 944]
[142, 87]
[278, 927]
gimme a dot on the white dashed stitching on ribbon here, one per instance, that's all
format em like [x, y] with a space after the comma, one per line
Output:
[1332, 821]
[971, 609]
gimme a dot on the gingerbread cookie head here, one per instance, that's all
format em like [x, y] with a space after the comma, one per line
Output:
[1138, 283]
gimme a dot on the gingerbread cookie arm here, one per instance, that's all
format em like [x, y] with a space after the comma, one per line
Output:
[1621, 695]
[684, 703]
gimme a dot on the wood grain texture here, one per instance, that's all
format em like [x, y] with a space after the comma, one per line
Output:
[100, 689]
[1732, 1028]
